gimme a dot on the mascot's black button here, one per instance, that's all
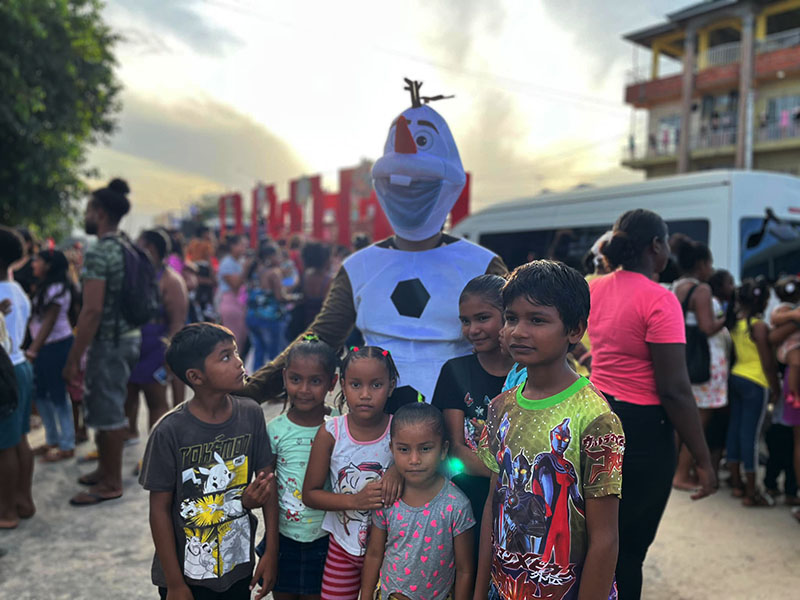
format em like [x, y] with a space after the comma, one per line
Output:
[410, 298]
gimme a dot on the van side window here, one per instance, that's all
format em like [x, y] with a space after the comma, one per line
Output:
[568, 245]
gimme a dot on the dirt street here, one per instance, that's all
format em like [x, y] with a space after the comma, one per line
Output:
[710, 549]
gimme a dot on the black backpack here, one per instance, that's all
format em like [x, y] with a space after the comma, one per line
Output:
[698, 354]
[138, 298]
[8, 386]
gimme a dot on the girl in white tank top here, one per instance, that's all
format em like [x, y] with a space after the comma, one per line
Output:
[352, 453]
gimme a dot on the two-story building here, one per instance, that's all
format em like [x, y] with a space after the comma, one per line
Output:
[732, 100]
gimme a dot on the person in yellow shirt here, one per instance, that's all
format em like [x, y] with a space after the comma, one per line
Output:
[753, 377]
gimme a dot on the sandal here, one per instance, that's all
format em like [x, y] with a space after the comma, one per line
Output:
[56, 455]
[757, 501]
[737, 491]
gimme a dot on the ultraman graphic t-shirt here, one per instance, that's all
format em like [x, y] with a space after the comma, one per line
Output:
[549, 456]
[207, 468]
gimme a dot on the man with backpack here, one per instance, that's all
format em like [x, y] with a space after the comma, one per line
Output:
[117, 283]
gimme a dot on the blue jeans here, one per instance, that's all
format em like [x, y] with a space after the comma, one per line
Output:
[267, 338]
[748, 402]
[51, 396]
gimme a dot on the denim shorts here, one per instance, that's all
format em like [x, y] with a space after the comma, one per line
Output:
[300, 565]
[108, 367]
[18, 423]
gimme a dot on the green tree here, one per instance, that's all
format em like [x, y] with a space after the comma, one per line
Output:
[59, 95]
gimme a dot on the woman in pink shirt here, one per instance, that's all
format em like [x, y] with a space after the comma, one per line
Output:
[639, 361]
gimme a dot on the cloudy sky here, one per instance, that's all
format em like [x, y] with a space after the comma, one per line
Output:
[222, 93]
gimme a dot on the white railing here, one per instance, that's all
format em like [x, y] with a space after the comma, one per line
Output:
[775, 131]
[778, 41]
[724, 54]
[714, 138]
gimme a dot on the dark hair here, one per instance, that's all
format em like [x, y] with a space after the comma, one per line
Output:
[12, 247]
[27, 236]
[787, 288]
[717, 280]
[361, 241]
[265, 251]
[632, 234]
[689, 252]
[231, 239]
[113, 199]
[375, 352]
[57, 273]
[190, 347]
[753, 296]
[416, 414]
[315, 255]
[488, 287]
[159, 240]
[551, 283]
[311, 345]
[175, 240]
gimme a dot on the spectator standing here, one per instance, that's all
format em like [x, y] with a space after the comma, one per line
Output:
[753, 377]
[314, 284]
[112, 342]
[230, 304]
[16, 458]
[705, 312]
[51, 332]
[150, 374]
[23, 271]
[639, 363]
[266, 299]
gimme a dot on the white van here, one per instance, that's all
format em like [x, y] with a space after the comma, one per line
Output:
[749, 219]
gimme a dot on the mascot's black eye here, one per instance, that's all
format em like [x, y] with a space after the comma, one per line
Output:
[422, 141]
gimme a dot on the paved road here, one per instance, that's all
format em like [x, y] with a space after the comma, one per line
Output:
[710, 549]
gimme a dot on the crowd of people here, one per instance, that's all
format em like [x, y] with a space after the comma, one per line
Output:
[494, 435]
[664, 386]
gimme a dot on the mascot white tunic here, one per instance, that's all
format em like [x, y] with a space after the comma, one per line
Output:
[405, 301]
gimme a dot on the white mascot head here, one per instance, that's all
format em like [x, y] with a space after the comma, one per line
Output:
[419, 177]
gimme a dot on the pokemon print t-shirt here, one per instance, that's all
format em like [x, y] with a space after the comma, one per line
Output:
[549, 456]
[207, 468]
[419, 561]
[353, 465]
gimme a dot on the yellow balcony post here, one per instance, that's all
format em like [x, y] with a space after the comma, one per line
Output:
[702, 49]
[656, 54]
[761, 27]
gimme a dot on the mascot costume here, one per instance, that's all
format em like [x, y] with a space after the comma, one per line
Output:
[404, 300]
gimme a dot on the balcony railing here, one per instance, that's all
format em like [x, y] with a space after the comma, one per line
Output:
[713, 138]
[666, 145]
[724, 54]
[772, 132]
[779, 41]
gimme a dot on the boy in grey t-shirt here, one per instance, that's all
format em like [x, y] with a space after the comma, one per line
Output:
[197, 465]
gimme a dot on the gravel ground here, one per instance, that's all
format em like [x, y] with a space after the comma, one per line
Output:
[711, 549]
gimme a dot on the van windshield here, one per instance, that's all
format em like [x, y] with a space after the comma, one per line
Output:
[769, 247]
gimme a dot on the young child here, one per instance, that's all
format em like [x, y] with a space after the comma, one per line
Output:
[199, 459]
[467, 384]
[16, 459]
[354, 449]
[422, 544]
[555, 448]
[788, 291]
[753, 376]
[309, 375]
[51, 334]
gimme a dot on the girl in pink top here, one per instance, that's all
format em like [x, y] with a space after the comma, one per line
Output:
[639, 362]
